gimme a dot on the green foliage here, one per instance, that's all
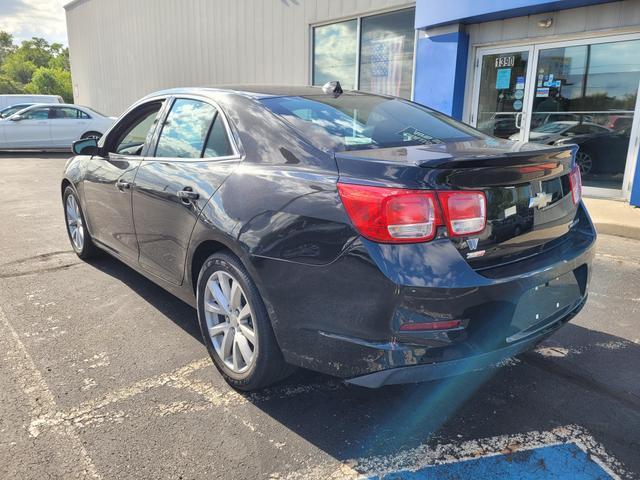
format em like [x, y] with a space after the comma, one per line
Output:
[51, 81]
[35, 66]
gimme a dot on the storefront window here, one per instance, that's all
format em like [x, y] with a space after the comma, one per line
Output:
[335, 49]
[587, 95]
[386, 53]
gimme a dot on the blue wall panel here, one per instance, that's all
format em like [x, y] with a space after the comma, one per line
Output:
[430, 13]
[441, 65]
[635, 188]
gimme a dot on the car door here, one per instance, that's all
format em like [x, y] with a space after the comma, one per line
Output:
[67, 125]
[29, 130]
[110, 177]
[193, 155]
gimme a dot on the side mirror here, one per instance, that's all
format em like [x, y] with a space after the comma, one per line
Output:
[16, 118]
[85, 146]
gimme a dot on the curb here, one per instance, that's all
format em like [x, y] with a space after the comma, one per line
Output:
[625, 231]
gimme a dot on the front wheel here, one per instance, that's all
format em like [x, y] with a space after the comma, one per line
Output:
[235, 325]
[76, 225]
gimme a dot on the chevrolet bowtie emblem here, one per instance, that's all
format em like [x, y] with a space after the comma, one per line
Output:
[541, 200]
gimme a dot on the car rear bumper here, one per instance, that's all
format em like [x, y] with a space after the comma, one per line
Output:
[472, 363]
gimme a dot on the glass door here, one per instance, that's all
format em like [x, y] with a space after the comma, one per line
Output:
[501, 96]
[585, 93]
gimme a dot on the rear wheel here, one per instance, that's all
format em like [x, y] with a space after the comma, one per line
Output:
[76, 225]
[584, 161]
[235, 325]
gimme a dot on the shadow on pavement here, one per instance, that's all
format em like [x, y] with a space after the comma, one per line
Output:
[588, 379]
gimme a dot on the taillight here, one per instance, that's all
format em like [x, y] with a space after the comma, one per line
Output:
[391, 215]
[466, 212]
[395, 215]
[576, 184]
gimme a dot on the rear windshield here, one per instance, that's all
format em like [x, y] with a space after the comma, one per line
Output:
[356, 121]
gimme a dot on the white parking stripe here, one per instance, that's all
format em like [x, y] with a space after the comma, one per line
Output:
[40, 398]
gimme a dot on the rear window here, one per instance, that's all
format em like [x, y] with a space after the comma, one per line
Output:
[356, 121]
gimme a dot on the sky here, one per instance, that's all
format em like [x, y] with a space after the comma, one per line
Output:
[34, 18]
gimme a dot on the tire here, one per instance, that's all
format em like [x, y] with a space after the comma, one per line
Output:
[240, 325]
[585, 162]
[95, 135]
[80, 239]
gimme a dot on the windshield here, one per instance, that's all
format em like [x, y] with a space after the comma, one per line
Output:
[7, 112]
[554, 127]
[356, 121]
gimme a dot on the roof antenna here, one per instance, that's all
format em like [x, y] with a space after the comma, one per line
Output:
[332, 88]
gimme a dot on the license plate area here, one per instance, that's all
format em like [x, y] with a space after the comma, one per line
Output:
[543, 304]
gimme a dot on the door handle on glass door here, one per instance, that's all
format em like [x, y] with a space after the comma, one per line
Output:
[519, 120]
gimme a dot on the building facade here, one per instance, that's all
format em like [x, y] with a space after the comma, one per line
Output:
[546, 71]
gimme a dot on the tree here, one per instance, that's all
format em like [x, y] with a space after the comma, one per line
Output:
[51, 81]
[6, 45]
[35, 67]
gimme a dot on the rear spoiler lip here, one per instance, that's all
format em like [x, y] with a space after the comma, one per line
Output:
[503, 158]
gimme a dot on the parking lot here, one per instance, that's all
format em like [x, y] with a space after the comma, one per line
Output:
[103, 375]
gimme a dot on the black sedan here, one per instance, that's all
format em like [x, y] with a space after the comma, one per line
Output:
[343, 232]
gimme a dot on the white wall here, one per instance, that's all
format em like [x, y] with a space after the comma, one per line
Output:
[122, 50]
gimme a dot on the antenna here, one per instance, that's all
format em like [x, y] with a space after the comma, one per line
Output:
[332, 88]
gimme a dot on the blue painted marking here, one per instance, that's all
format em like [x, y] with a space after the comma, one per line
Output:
[565, 461]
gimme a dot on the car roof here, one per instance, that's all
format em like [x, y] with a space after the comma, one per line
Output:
[253, 91]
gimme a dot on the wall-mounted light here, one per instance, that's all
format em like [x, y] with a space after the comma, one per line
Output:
[545, 22]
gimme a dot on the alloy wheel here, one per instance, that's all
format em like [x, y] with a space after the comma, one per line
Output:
[74, 222]
[584, 162]
[230, 322]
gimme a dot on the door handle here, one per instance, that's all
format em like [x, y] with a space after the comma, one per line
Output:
[519, 120]
[187, 195]
[122, 185]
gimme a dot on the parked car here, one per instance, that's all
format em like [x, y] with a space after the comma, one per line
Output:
[343, 232]
[13, 99]
[604, 152]
[51, 126]
[10, 110]
[554, 131]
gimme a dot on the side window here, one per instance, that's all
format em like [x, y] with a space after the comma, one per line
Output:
[137, 126]
[218, 143]
[37, 114]
[67, 113]
[185, 129]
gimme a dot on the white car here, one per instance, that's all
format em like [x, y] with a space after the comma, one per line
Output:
[554, 131]
[51, 126]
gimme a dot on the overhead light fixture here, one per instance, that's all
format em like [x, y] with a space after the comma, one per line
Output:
[545, 22]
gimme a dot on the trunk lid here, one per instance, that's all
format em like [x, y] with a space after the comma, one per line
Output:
[529, 202]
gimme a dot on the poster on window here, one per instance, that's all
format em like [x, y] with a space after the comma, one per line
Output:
[386, 65]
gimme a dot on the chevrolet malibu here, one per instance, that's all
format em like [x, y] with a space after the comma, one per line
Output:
[359, 235]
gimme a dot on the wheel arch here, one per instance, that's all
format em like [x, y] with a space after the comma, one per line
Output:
[204, 250]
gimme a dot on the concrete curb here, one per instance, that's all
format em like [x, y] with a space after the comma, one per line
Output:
[626, 231]
[614, 217]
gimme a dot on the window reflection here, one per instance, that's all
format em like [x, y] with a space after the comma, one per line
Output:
[334, 53]
[386, 56]
[184, 132]
[586, 95]
[386, 53]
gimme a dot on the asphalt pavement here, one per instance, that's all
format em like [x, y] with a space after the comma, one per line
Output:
[103, 375]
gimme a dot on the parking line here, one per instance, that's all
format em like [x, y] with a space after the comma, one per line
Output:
[40, 398]
[420, 459]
